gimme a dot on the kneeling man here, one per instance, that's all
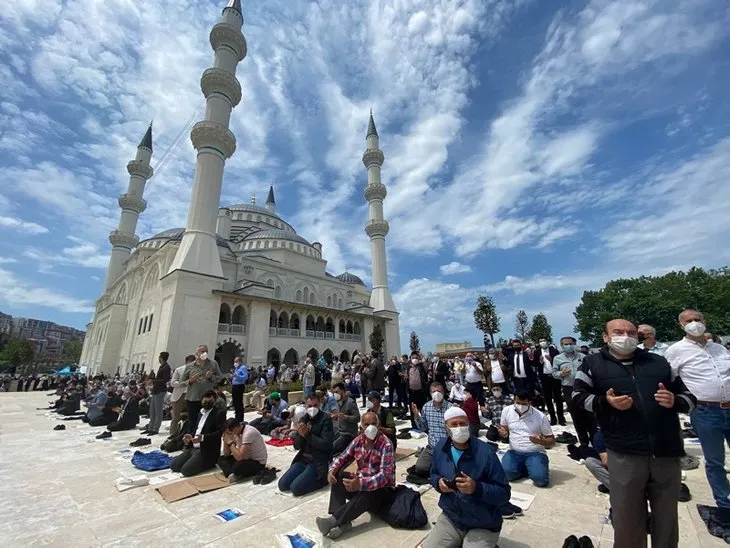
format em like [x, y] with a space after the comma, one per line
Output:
[353, 494]
[202, 449]
[473, 487]
[244, 451]
[529, 435]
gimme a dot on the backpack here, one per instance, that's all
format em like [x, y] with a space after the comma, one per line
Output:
[405, 510]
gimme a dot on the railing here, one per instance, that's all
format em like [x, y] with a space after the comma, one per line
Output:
[272, 332]
[295, 333]
[282, 332]
[320, 334]
[356, 338]
[239, 329]
[223, 328]
[330, 335]
[341, 336]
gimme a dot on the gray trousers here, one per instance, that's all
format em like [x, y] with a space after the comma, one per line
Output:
[635, 478]
[445, 535]
[595, 467]
[156, 402]
[425, 459]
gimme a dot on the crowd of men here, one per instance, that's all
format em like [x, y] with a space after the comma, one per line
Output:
[624, 400]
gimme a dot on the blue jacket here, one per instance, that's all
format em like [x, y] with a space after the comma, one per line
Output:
[479, 510]
[240, 375]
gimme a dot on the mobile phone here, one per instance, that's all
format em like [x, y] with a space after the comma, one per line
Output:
[348, 475]
[450, 483]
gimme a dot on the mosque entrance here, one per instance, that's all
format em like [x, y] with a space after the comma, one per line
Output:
[225, 354]
[273, 358]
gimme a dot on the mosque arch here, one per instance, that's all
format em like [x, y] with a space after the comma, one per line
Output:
[122, 294]
[349, 327]
[298, 297]
[277, 292]
[310, 322]
[273, 319]
[312, 298]
[239, 316]
[329, 301]
[344, 356]
[224, 315]
[294, 322]
[305, 294]
[320, 323]
[283, 322]
[342, 326]
[356, 328]
[225, 352]
[340, 304]
[273, 357]
[328, 355]
[152, 278]
[313, 353]
[329, 325]
[291, 357]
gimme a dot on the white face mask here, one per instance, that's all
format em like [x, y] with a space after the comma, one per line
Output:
[203, 355]
[623, 344]
[337, 396]
[414, 361]
[370, 432]
[437, 396]
[522, 407]
[695, 328]
[460, 434]
[497, 393]
[543, 344]
[312, 411]
[368, 404]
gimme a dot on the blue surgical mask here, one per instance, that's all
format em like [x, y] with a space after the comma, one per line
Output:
[569, 348]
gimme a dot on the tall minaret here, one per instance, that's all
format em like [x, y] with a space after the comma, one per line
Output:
[123, 239]
[377, 227]
[215, 143]
[270, 201]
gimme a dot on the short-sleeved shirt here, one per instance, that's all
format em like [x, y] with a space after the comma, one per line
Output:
[531, 423]
[256, 444]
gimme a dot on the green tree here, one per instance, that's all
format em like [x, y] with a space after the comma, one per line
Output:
[18, 352]
[485, 316]
[540, 328]
[657, 301]
[376, 339]
[521, 325]
[72, 351]
[415, 344]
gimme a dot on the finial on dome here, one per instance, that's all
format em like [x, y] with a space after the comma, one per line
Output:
[371, 125]
[147, 139]
[253, 199]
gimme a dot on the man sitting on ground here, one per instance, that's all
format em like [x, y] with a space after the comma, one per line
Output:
[431, 420]
[296, 414]
[473, 487]
[530, 434]
[202, 448]
[354, 494]
[386, 422]
[110, 412]
[497, 400]
[344, 419]
[244, 451]
[271, 414]
[96, 405]
[313, 440]
[599, 468]
[128, 413]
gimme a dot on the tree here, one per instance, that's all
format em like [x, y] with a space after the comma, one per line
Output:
[415, 344]
[485, 316]
[376, 339]
[657, 301]
[18, 352]
[521, 324]
[540, 328]
[72, 351]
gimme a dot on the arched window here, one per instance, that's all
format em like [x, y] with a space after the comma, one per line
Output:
[340, 304]
[239, 316]
[312, 300]
[306, 294]
[299, 296]
[277, 291]
[329, 301]
[310, 323]
[342, 326]
[356, 328]
[270, 282]
[273, 319]
[283, 321]
[224, 316]
[349, 327]
[294, 322]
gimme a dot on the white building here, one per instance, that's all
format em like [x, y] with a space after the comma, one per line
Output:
[237, 277]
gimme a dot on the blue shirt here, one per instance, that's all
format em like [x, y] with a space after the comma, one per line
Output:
[330, 405]
[240, 375]
[598, 444]
[456, 454]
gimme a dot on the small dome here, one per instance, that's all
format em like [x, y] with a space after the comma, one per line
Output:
[275, 234]
[351, 279]
[176, 234]
[250, 208]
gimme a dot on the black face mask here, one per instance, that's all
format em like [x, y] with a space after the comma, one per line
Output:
[641, 337]
[208, 405]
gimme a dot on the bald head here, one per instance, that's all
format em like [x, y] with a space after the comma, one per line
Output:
[620, 327]
[369, 418]
[690, 315]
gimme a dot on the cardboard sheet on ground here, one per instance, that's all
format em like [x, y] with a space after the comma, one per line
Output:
[523, 500]
[179, 490]
[165, 478]
[403, 453]
[210, 482]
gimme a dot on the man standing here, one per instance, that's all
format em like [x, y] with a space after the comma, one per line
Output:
[520, 364]
[201, 376]
[159, 389]
[637, 397]
[565, 367]
[417, 384]
[473, 376]
[395, 383]
[309, 378]
[386, 422]
[344, 419]
[704, 367]
[473, 487]
[354, 494]
[647, 338]
[377, 374]
[179, 388]
[440, 371]
[238, 385]
[551, 388]
[431, 420]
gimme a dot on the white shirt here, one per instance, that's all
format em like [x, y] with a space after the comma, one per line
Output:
[532, 423]
[659, 348]
[457, 392]
[201, 423]
[472, 373]
[547, 362]
[705, 370]
[497, 373]
[519, 363]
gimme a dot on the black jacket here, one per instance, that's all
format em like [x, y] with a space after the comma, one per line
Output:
[317, 446]
[531, 365]
[646, 428]
[210, 446]
[163, 376]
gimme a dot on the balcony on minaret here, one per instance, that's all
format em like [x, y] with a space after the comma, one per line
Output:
[132, 203]
[375, 191]
[122, 239]
[140, 168]
[373, 158]
[377, 228]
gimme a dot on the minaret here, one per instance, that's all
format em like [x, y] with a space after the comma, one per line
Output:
[124, 239]
[270, 201]
[377, 227]
[215, 143]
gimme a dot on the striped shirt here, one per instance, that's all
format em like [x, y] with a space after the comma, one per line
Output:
[375, 464]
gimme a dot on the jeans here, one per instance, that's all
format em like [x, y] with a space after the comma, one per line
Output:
[156, 402]
[308, 391]
[712, 425]
[478, 390]
[532, 465]
[300, 479]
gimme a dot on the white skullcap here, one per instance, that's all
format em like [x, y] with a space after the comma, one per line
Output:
[453, 412]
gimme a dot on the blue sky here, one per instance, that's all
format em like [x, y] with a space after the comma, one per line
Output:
[533, 149]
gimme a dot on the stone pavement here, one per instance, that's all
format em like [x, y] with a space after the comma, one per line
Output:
[57, 489]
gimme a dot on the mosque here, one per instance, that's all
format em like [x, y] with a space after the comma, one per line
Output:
[239, 277]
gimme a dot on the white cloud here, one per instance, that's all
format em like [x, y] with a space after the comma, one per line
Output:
[7, 260]
[22, 226]
[83, 253]
[454, 267]
[17, 293]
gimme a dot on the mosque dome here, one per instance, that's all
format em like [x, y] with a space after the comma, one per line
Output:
[351, 279]
[275, 234]
[176, 234]
[251, 208]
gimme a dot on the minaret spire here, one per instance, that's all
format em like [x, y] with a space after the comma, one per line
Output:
[270, 201]
[215, 143]
[124, 239]
[371, 125]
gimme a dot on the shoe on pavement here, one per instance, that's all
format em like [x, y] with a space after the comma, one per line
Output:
[325, 525]
[104, 435]
[60, 427]
[585, 542]
[562, 422]
[507, 511]
[337, 532]
[268, 476]
[257, 477]
[603, 489]
[571, 542]
[516, 509]
[684, 494]
[233, 478]
[141, 442]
